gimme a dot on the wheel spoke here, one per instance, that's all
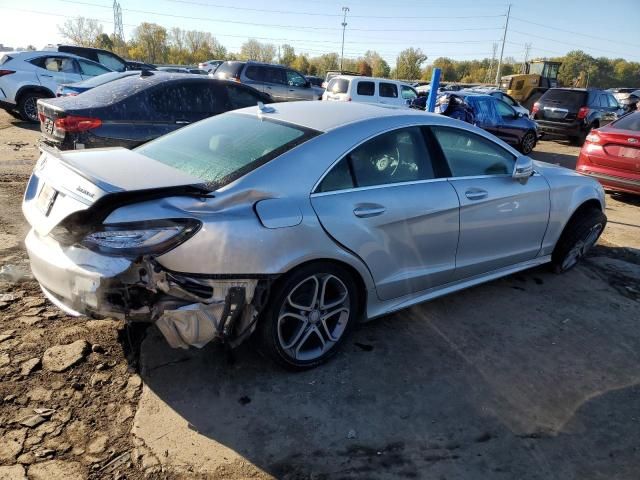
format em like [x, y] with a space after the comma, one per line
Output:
[324, 304]
[305, 338]
[314, 299]
[339, 327]
[303, 322]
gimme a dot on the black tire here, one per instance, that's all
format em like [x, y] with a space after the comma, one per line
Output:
[275, 324]
[528, 143]
[27, 106]
[579, 235]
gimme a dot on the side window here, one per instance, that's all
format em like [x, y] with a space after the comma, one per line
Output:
[508, 100]
[255, 73]
[294, 79]
[388, 90]
[613, 103]
[408, 93]
[366, 88]
[274, 75]
[240, 97]
[111, 62]
[469, 154]
[392, 157]
[505, 110]
[93, 69]
[56, 64]
[203, 99]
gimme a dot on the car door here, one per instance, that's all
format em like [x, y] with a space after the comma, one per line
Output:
[298, 87]
[386, 202]
[56, 70]
[275, 83]
[388, 93]
[240, 96]
[91, 69]
[508, 129]
[502, 221]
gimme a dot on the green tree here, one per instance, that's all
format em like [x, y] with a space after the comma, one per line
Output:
[149, 43]
[103, 41]
[288, 55]
[301, 64]
[363, 68]
[379, 66]
[408, 64]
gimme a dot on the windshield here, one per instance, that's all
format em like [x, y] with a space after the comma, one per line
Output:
[223, 148]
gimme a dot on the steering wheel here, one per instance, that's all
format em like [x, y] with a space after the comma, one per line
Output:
[386, 161]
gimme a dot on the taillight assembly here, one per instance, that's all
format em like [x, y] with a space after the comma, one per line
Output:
[535, 109]
[583, 112]
[593, 137]
[74, 123]
[41, 116]
[6, 72]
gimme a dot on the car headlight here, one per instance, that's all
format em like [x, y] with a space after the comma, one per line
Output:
[141, 238]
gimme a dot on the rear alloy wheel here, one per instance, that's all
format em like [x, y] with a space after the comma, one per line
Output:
[580, 234]
[28, 106]
[310, 314]
[528, 143]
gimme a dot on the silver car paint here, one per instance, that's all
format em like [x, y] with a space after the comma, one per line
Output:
[234, 240]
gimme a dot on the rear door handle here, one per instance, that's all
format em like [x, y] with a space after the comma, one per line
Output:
[476, 194]
[48, 76]
[371, 211]
[182, 122]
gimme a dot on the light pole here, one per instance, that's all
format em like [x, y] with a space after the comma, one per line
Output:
[344, 27]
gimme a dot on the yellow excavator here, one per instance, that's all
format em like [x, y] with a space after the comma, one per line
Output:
[528, 87]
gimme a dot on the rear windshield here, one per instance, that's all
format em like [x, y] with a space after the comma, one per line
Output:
[225, 147]
[628, 122]
[338, 85]
[230, 69]
[567, 98]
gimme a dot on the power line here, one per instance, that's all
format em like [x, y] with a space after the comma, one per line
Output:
[576, 33]
[565, 43]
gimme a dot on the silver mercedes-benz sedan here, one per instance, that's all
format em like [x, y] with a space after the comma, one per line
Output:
[296, 220]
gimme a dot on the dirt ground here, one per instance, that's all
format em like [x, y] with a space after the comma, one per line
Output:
[533, 376]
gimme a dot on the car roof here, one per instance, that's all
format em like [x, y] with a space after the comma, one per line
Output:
[380, 79]
[41, 53]
[325, 116]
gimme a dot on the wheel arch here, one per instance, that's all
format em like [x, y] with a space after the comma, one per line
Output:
[33, 88]
[355, 274]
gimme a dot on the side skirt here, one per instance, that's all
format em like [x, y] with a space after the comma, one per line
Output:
[376, 308]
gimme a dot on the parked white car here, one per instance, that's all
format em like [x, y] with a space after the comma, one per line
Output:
[347, 88]
[27, 76]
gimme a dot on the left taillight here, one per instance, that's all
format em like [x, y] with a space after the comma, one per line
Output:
[583, 112]
[593, 137]
[75, 123]
[6, 72]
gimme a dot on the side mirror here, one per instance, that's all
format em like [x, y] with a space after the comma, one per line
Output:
[523, 169]
[519, 114]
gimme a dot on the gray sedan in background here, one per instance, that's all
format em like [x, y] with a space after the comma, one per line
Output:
[297, 220]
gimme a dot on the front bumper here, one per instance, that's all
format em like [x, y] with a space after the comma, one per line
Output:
[188, 311]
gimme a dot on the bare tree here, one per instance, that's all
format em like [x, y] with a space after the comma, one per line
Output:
[254, 50]
[81, 31]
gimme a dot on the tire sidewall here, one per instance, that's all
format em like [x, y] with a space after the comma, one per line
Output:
[269, 341]
[23, 101]
[575, 231]
[523, 149]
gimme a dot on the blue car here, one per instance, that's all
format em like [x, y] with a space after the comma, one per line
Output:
[79, 87]
[490, 114]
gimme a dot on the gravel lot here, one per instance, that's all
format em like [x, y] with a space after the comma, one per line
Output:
[534, 376]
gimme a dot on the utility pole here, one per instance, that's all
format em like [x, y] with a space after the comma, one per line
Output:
[504, 39]
[489, 75]
[118, 31]
[527, 49]
[344, 27]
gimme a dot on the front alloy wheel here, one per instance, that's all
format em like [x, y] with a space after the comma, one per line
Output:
[580, 234]
[528, 143]
[309, 316]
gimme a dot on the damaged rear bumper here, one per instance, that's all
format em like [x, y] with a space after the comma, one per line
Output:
[188, 310]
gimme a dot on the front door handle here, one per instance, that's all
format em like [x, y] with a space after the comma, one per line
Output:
[476, 194]
[48, 76]
[182, 122]
[369, 211]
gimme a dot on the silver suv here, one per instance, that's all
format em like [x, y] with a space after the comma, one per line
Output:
[280, 83]
[27, 76]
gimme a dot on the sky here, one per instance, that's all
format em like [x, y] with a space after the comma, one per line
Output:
[467, 31]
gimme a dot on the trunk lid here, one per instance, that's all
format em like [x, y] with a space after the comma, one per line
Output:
[622, 150]
[562, 105]
[96, 181]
